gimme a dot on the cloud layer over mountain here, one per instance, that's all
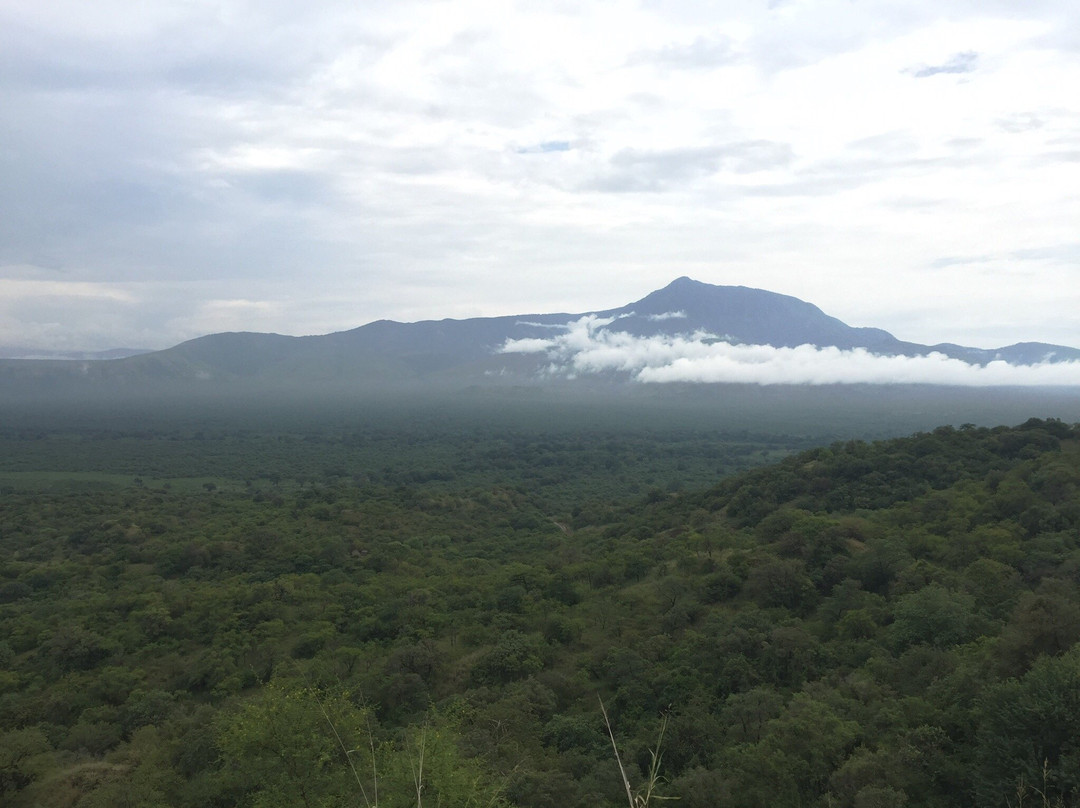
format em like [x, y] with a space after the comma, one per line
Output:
[587, 347]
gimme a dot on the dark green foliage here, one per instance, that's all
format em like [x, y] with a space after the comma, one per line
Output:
[1028, 724]
[933, 616]
[24, 755]
[865, 624]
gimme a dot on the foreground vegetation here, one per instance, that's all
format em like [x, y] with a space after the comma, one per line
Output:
[303, 619]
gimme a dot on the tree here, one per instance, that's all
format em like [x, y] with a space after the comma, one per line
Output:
[24, 755]
[935, 616]
[1027, 724]
[293, 745]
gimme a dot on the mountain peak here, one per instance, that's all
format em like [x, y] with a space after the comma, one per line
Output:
[687, 285]
[683, 280]
[742, 314]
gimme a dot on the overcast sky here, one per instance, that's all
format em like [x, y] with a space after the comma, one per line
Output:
[174, 169]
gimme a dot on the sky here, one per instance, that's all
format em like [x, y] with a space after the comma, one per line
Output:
[173, 169]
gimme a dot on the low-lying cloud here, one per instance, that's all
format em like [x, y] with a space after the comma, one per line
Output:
[587, 347]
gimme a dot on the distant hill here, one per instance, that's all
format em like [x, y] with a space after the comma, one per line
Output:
[465, 352]
[24, 352]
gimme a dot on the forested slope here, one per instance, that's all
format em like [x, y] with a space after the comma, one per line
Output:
[868, 625]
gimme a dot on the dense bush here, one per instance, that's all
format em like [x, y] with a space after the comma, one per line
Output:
[867, 624]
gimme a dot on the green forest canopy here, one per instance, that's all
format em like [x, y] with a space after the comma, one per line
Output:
[862, 624]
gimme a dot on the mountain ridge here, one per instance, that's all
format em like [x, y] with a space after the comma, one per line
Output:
[471, 350]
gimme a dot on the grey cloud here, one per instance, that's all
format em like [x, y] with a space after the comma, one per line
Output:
[914, 203]
[407, 161]
[964, 143]
[72, 321]
[1064, 35]
[85, 68]
[854, 171]
[897, 142]
[198, 56]
[157, 314]
[964, 62]
[287, 185]
[488, 96]
[660, 170]
[73, 187]
[807, 33]
[474, 82]
[806, 186]
[1021, 122]
[106, 178]
[1064, 253]
[545, 147]
[947, 261]
[702, 54]
[1057, 156]
[108, 217]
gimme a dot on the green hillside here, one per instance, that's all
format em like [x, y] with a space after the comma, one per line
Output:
[872, 625]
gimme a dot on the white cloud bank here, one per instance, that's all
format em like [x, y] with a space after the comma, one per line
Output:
[586, 348]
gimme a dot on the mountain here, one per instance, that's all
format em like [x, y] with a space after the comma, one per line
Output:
[758, 317]
[741, 314]
[471, 351]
